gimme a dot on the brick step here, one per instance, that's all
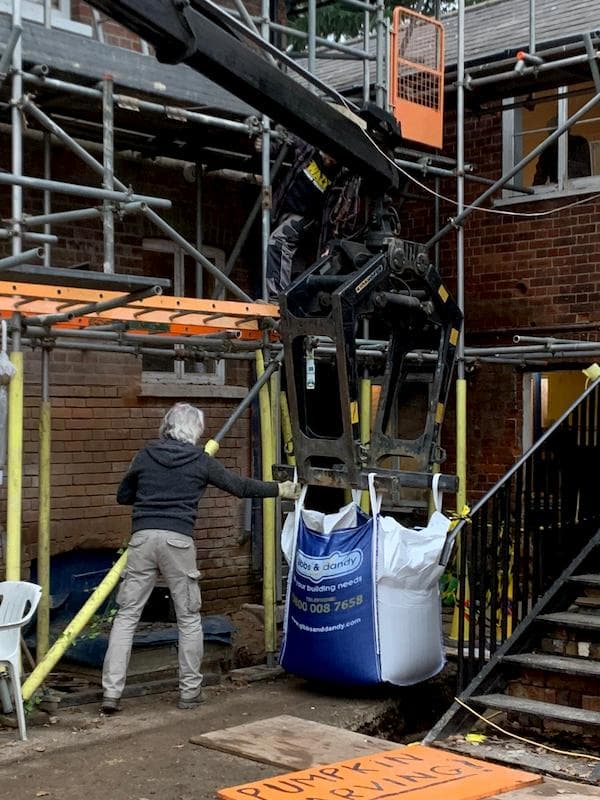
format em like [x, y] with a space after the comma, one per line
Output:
[522, 705]
[564, 664]
[588, 601]
[586, 580]
[571, 619]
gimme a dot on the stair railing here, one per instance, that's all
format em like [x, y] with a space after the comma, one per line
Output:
[524, 531]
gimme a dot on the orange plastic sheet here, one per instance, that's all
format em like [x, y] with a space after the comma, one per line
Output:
[181, 316]
[410, 773]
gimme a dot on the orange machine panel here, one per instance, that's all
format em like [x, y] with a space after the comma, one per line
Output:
[417, 76]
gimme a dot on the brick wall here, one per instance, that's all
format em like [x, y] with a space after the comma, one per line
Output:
[98, 424]
[521, 275]
[119, 36]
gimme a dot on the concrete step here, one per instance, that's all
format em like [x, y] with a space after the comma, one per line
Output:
[586, 580]
[536, 708]
[571, 619]
[588, 601]
[563, 664]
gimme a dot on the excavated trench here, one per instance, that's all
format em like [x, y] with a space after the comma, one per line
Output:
[410, 712]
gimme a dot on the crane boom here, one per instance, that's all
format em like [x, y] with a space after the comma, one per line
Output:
[183, 33]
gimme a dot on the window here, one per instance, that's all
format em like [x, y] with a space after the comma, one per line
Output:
[163, 259]
[570, 164]
[61, 14]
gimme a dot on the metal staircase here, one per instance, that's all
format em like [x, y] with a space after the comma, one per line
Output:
[545, 677]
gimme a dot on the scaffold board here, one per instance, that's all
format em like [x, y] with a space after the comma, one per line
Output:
[160, 314]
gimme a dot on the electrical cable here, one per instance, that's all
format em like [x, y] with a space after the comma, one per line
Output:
[501, 212]
[523, 738]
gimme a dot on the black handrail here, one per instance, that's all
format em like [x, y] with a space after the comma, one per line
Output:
[525, 529]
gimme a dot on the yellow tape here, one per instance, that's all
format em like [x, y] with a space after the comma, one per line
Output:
[354, 412]
[453, 337]
[211, 447]
[439, 413]
[443, 293]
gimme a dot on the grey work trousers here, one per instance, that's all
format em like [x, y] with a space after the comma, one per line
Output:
[281, 250]
[174, 556]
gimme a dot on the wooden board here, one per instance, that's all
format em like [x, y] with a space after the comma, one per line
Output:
[410, 773]
[291, 743]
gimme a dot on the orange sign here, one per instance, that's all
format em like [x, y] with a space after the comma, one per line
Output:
[413, 773]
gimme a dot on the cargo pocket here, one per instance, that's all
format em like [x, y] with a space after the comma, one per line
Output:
[194, 595]
[125, 593]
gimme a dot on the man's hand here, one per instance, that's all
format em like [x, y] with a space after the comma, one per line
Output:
[288, 490]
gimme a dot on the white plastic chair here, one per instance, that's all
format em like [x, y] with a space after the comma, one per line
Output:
[18, 603]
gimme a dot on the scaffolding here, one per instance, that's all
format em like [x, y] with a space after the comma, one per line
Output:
[112, 317]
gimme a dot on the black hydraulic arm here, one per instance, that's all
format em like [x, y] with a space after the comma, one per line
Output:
[181, 32]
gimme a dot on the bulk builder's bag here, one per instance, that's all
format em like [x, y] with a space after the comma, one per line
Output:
[363, 603]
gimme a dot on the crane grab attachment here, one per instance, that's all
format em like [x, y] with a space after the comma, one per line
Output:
[390, 284]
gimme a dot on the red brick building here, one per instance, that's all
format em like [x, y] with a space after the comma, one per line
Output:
[106, 405]
[523, 274]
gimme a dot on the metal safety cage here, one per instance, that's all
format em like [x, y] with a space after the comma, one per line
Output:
[417, 76]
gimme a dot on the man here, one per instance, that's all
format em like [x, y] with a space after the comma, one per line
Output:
[578, 160]
[299, 203]
[164, 483]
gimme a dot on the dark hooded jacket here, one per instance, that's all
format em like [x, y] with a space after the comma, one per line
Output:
[166, 480]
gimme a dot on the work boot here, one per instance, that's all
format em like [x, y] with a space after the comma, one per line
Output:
[110, 705]
[191, 702]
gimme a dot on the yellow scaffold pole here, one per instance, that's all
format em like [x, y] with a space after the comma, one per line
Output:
[269, 597]
[14, 472]
[286, 430]
[74, 628]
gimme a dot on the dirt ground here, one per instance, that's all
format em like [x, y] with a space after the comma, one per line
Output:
[144, 752]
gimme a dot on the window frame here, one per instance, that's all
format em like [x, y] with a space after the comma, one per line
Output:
[512, 152]
[178, 376]
[33, 11]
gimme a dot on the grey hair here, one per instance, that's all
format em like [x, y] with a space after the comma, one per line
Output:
[183, 422]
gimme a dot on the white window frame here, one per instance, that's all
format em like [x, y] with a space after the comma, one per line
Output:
[512, 152]
[178, 375]
[33, 10]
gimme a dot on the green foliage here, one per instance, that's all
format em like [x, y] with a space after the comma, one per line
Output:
[339, 22]
[99, 623]
[33, 702]
[448, 588]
